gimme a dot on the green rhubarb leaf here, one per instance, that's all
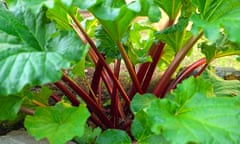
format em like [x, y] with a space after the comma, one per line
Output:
[148, 8]
[9, 107]
[105, 44]
[42, 95]
[139, 40]
[215, 15]
[141, 131]
[58, 124]
[21, 67]
[140, 127]
[33, 5]
[33, 52]
[154, 13]
[191, 115]
[79, 67]
[175, 36]
[89, 136]
[171, 7]
[10, 41]
[61, 10]
[222, 47]
[189, 87]
[90, 25]
[113, 136]
[116, 17]
[60, 16]
[140, 102]
[13, 26]
[68, 45]
[199, 120]
[209, 51]
[110, 17]
[84, 4]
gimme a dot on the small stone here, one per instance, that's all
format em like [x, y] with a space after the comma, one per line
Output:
[21, 137]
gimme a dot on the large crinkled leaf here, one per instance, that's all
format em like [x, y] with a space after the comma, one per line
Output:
[36, 5]
[189, 87]
[111, 14]
[212, 15]
[58, 124]
[13, 26]
[199, 120]
[33, 5]
[194, 117]
[113, 136]
[111, 17]
[9, 107]
[32, 51]
[20, 68]
[68, 45]
[9, 41]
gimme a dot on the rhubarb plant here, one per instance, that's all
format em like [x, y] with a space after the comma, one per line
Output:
[48, 45]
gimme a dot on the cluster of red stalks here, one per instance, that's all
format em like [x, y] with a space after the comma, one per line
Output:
[120, 114]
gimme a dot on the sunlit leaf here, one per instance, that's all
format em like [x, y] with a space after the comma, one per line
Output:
[111, 13]
[58, 124]
[194, 117]
[189, 87]
[139, 40]
[20, 68]
[33, 52]
[11, 25]
[68, 45]
[212, 15]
